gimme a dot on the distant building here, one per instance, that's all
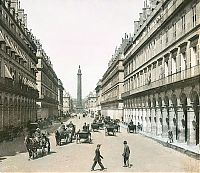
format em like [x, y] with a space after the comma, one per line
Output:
[18, 91]
[98, 90]
[162, 71]
[60, 98]
[90, 103]
[47, 83]
[112, 85]
[67, 103]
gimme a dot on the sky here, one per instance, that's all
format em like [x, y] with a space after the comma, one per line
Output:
[81, 32]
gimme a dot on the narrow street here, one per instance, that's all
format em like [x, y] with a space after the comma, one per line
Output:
[146, 155]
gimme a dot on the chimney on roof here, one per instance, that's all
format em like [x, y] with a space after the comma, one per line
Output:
[25, 20]
[136, 26]
[14, 5]
[153, 3]
[141, 19]
[21, 15]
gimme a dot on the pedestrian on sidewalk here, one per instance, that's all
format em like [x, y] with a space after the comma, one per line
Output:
[170, 136]
[97, 158]
[126, 155]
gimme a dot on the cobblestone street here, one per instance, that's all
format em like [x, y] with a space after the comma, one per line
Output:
[146, 155]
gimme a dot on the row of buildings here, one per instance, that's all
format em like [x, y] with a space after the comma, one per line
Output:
[29, 86]
[153, 77]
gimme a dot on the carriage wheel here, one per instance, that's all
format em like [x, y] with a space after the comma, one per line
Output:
[77, 139]
[33, 155]
[49, 149]
[43, 151]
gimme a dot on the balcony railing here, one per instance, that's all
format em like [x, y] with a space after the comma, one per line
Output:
[111, 99]
[15, 87]
[4, 21]
[179, 76]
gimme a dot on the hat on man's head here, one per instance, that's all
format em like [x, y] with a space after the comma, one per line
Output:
[125, 142]
[98, 145]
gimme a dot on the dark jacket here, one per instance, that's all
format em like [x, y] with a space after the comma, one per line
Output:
[97, 155]
[126, 151]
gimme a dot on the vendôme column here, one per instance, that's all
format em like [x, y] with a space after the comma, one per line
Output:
[79, 106]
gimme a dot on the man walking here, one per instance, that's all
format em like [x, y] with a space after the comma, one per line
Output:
[97, 158]
[126, 155]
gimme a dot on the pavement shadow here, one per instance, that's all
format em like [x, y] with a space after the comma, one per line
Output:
[100, 169]
[40, 156]
[11, 148]
[2, 158]
[96, 131]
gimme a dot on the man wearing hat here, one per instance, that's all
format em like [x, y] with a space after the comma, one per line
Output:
[97, 158]
[126, 154]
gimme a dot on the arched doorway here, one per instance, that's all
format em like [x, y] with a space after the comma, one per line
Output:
[160, 117]
[195, 101]
[183, 100]
[166, 101]
[175, 118]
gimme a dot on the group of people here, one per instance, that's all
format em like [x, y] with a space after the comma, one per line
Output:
[98, 157]
[63, 131]
[35, 139]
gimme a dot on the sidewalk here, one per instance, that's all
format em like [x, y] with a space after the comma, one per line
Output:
[192, 151]
[11, 148]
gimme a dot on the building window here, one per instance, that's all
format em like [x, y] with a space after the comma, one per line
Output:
[194, 16]
[167, 39]
[183, 23]
[194, 56]
[174, 30]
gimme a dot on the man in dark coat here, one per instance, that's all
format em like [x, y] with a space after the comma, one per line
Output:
[97, 158]
[126, 154]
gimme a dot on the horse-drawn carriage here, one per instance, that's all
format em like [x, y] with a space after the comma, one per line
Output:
[37, 146]
[94, 126]
[72, 128]
[117, 127]
[107, 119]
[101, 125]
[63, 135]
[131, 128]
[86, 135]
[110, 129]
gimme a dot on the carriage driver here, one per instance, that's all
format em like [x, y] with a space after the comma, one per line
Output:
[38, 134]
[85, 127]
[131, 123]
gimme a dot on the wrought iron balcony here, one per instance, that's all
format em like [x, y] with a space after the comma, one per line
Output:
[15, 87]
[176, 77]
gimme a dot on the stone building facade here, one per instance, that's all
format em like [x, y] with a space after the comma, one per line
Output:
[98, 90]
[47, 83]
[162, 70]
[18, 91]
[112, 85]
[67, 104]
[90, 103]
[60, 98]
